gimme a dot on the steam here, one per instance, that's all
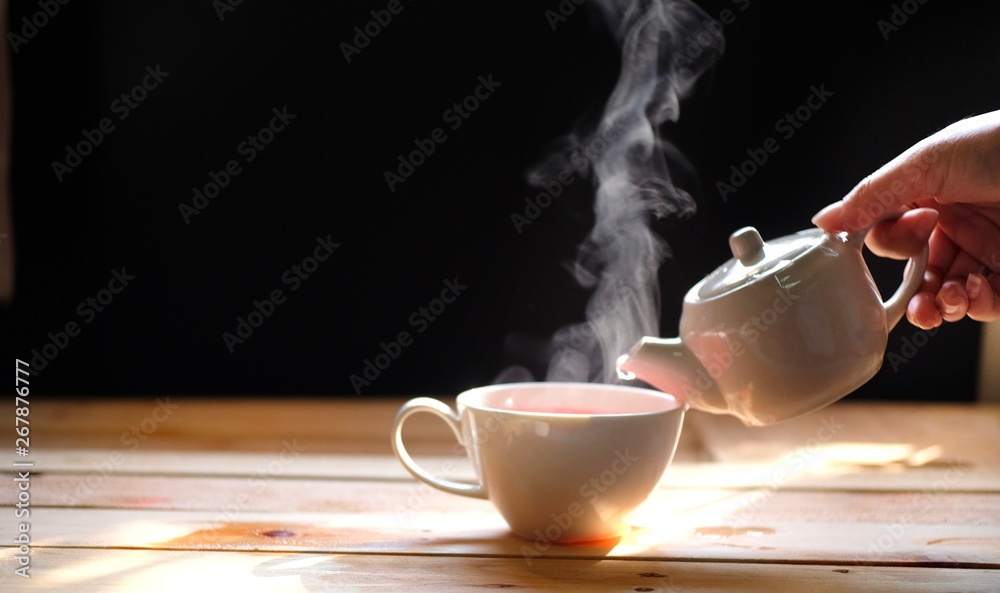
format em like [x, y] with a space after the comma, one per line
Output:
[666, 45]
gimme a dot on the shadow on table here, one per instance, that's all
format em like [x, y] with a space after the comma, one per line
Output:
[491, 562]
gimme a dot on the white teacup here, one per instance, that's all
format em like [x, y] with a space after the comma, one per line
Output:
[562, 462]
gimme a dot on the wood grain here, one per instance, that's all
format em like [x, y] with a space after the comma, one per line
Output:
[967, 434]
[304, 495]
[281, 494]
[128, 571]
[699, 527]
[820, 469]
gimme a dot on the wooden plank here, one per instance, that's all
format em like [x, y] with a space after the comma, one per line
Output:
[863, 433]
[718, 524]
[253, 424]
[226, 496]
[966, 434]
[206, 424]
[127, 571]
[725, 529]
[796, 469]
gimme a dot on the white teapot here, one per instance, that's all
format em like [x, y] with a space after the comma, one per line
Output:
[784, 328]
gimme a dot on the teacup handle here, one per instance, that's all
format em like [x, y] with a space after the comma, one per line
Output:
[913, 276]
[428, 404]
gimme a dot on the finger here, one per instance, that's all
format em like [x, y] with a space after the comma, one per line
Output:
[957, 164]
[922, 312]
[855, 213]
[967, 171]
[984, 305]
[933, 280]
[901, 181]
[952, 300]
[951, 297]
[975, 231]
[903, 237]
[960, 268]
[943, 252]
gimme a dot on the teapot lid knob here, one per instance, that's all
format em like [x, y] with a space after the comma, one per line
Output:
[758, 259]
[747, 245]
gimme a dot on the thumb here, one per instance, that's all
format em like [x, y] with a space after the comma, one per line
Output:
[887, 191]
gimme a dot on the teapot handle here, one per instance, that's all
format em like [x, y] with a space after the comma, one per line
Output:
[913, 276]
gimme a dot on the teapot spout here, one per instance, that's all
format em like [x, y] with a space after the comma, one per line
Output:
[665, 363]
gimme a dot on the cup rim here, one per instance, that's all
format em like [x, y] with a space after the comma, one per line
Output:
[469, 399]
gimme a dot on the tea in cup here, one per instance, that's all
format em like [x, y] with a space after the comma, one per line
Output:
[562, 462]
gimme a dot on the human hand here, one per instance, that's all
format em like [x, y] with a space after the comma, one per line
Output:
[947, 190]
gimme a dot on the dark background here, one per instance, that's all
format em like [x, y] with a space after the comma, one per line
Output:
[323, 176]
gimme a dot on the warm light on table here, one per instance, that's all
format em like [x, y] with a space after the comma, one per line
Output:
[305, 495]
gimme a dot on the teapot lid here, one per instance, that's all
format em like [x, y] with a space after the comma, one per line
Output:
[753, 258]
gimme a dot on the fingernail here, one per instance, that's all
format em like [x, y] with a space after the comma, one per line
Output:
[950, 301]
[825, 213]
[973, 285]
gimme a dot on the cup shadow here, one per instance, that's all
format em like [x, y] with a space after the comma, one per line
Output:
[318, 571]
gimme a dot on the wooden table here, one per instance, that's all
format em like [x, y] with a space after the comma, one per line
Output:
[304, 495]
